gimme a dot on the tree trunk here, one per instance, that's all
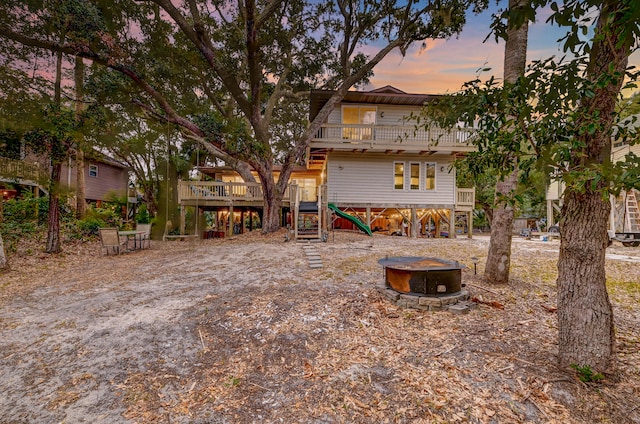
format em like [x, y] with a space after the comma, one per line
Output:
[53, 233]
[81, 202]
[585, 317]
[272, 198]
[3, 257]
[499, 256]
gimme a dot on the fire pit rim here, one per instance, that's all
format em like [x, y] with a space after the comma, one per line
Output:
[405, 263]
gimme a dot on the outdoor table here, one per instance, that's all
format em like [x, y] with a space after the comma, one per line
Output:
[135, 236]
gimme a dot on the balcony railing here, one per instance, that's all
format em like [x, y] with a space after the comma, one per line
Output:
[383, 137]
[21, 171]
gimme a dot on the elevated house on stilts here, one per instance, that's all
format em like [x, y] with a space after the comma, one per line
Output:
[367, 169]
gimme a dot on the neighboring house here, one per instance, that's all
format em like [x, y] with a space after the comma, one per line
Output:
[624, 222]
[103, 176]
[377, 165]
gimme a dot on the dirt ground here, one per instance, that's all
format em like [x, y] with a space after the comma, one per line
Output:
[242, 331]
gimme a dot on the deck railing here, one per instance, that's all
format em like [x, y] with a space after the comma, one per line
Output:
[392, 136]
[465, 198]
[221, 191]
[20, 170]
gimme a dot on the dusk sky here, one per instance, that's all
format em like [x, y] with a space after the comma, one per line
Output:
[446, 64]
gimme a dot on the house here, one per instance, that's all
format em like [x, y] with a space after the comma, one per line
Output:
[103, 176]
[377, 166]
[368, 169]
[625, 211]
[624, 220]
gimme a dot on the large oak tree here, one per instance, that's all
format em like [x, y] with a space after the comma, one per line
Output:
[561, 118]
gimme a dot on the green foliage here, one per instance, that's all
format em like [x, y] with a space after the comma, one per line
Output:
[109, 215]
[88, 227]
[22, 218]
[10, 144]
[630, 106]
[55, 134]
[142, 215]
[28, 210]
[536, 124]
[586, 374]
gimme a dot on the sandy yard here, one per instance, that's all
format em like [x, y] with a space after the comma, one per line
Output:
[242, 331]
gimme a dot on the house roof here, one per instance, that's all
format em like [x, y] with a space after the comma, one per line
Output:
[212, 170]
[386, 95]
[97, 156]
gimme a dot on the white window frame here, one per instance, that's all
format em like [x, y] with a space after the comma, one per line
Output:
[426, 174]
[93, 171]
[419, 176]
[404, 175]
[358, 133]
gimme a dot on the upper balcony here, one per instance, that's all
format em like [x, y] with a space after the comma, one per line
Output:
[392, 138]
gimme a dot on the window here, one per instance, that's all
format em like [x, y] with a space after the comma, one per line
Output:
[398, 176]
[415, 176]
[93, 170]
[430, 176]
[355, 118]
[308, 189]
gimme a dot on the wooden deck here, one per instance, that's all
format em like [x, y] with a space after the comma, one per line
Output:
[223, 194]
[218, 193]
[21, 172]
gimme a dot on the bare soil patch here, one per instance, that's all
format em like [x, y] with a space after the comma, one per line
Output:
[241, 331]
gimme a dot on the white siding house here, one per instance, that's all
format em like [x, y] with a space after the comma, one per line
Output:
[378, 165]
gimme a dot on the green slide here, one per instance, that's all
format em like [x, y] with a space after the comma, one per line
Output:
[364, 228]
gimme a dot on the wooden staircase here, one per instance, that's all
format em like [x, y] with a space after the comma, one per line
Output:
[308, 222]
[632, 215]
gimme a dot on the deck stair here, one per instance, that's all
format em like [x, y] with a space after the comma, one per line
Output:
[311, 251]
[308, 220]
[632, 219]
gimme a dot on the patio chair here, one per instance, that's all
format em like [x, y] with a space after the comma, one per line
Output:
[145, 239]
[110, 240]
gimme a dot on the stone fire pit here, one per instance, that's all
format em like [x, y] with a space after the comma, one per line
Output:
[423, 283]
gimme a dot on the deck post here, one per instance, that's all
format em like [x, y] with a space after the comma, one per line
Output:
[368, 216]
[230, 222]
[183, 216]
[452, 223]
[414, 223]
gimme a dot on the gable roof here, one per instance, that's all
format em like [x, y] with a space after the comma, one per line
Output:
[386, 95]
